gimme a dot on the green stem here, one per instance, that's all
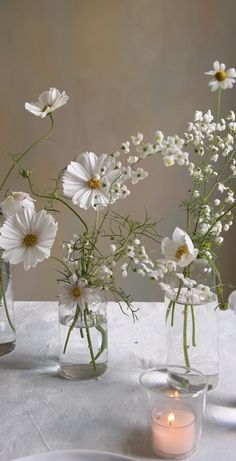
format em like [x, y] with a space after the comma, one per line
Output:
[168, 309]
[185, 340]
[71, 328]
[174, 303]
[58, 199]
[5, 306]
[89, 340]
[104, 341]
[21, 156]
[193, 327]
[61, 262]
[81, 329]
[218, 105]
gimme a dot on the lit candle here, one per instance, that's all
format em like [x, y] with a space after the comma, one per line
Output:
[173, 433]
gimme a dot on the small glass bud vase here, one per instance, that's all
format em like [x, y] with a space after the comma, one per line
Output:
[175, 402]
[7, 318]
[83, 340]
[192, 327]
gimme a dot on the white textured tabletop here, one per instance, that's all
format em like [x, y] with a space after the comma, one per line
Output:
[40, 411]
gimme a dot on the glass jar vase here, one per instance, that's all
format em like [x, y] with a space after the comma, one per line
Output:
[7, 318]
[83, 340]
[175, 403]
[192, 328]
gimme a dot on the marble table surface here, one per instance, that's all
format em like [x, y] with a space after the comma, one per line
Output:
[42, 412]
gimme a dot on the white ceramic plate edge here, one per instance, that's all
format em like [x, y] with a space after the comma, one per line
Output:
[83, 455]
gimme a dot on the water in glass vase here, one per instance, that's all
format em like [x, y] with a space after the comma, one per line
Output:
[192, 338]
[7, 320]
[83, 344]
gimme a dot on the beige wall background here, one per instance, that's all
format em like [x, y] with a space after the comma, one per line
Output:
[127, 65]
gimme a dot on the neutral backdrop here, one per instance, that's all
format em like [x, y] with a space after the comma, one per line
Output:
[127, 65]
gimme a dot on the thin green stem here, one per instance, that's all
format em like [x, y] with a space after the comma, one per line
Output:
[89, 340]
[77, 312]
[5, 305]
[193, 327]
[104, 341]
[168, 309]
[174, 303]
[185, 337]
[218, 105]
[58, 199]
[61, 262]
[21, 156]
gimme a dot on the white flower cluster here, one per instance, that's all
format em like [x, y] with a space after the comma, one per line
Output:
[191, 293]
[170, 147]
[140, 262]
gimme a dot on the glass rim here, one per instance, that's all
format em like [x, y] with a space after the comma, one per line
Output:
[189, 393]
[181, 302]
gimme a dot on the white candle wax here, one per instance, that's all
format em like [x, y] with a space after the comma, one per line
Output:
[173, 433]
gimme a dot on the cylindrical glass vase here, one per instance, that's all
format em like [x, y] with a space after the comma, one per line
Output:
[192, 328]
[83, 341]
[7, 318]
[176, 399]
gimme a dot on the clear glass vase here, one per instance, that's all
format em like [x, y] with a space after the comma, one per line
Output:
[7, 319]
[192, 329]
[175, 403]
[83, 341]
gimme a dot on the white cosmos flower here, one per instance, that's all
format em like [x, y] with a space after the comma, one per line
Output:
[87, 180]
[180, 248]
[14, 202]
[222, 78]
[77, 293]
[48, 101]
[27, 237]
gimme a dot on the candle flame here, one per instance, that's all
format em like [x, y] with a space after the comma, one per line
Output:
[171, 418]
[176, 394]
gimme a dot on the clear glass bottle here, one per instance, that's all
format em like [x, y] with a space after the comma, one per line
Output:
[192, 329]
[7, 318]
[175, 403]
[83, 341]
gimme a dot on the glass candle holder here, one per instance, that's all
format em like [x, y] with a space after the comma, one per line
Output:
[176, 398]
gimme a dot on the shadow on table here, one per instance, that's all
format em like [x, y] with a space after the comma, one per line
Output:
[228, 402]
[48, 365]
[140, 444]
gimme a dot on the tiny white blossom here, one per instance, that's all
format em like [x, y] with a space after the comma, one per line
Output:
[221, 187]
[138, 175]
[137, 139]
[125, 147]
[196, 194]
[132, 159]
[113, 248]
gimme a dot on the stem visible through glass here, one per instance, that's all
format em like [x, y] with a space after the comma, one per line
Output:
[185, 337]
[5, 301]
[89, 339]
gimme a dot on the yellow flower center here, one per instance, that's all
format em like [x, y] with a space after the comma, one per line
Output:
[46, 107]
[221, 75]
[30, 240]
[94, 183]
[181, 250]
[77, 292]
